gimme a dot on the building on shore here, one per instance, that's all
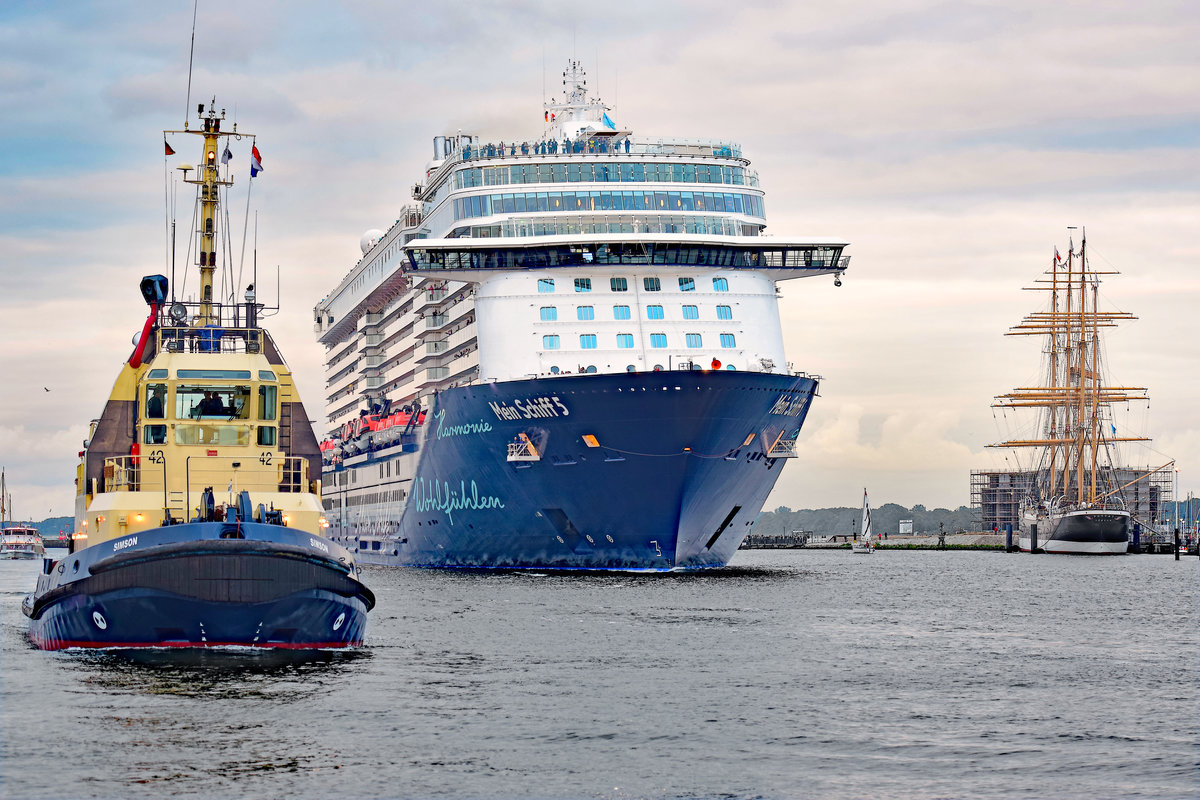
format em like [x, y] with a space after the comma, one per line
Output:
[996, 495]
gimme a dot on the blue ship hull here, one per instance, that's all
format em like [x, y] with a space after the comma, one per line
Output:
[202, 584]
[638, 471]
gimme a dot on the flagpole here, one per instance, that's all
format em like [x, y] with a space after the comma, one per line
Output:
[245, 225]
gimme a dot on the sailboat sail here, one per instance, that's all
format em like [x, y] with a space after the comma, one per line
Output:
[866, 519]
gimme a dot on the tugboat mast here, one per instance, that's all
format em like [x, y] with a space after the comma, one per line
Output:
[208, 179]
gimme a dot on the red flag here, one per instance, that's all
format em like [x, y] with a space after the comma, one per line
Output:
[170, 150]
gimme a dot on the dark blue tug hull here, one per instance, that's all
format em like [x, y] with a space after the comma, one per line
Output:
[677, 472]
[204, 584]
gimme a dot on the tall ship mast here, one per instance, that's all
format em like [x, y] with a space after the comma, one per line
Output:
[1076, 502]
[198, 515]
[566, 353]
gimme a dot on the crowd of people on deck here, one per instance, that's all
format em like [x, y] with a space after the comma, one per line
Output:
[596, 144]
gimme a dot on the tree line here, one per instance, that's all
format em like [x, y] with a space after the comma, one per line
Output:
[845, 521]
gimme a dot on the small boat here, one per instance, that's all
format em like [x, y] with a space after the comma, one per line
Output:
[16, 541]
[198, 516]
[864, 543]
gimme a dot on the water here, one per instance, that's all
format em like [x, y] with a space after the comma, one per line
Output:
[793, 674]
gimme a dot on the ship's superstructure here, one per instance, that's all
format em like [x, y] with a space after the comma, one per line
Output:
[471, 349]
[198, 516]
[1075, 503]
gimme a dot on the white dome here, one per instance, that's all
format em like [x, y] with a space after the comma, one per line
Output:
[369, 239]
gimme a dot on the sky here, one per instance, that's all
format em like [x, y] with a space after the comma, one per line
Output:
[953, 144]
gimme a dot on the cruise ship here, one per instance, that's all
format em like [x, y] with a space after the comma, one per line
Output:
[566, 353]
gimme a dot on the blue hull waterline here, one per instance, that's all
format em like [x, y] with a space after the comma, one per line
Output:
[638, 471]
[202, 584]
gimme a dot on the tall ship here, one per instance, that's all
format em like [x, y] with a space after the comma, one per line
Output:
[198, 516]
[1075, 501]
[566, 353]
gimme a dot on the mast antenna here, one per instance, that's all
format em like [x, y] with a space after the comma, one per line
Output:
[191, 52]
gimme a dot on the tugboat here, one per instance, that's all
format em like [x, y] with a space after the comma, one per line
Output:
[198, 515]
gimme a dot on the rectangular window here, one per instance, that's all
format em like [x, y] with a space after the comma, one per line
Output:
[618, 284]
[550, 342]
[585, 313]
[587, 341]
[693, 340]
[687, 284]
[545, 285]
[266, 401]
[652, 284]
[625, 341]
[156, 401]
[720, 285]
[658, 340]
[724, 312]
[583, 284]
[691, 312]
[266, 436]
[620, 312]
[549, 313]
[654, 312]
[727, 340]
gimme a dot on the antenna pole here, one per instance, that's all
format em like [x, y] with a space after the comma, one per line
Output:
[187, 108]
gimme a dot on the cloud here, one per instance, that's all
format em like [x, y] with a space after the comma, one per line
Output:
[951, 144]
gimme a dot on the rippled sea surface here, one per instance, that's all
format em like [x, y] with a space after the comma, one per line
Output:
[790, 674]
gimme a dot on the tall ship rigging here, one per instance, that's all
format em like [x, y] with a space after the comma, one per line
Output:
[567, 353]
[1075, 503]
[198, 517]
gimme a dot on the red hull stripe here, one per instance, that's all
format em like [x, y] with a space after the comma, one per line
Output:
[61, 645]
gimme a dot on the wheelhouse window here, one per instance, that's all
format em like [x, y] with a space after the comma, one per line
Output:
[156, 401]
[549, 313]
[691, 312]
[267, 396]
[720, 285]
[620, 312]
[625, 341]
[212, 435]
[550, 342]
[728, 341]
[583, 284]
[687, 284]
[212, 402]
[587, 341]
[585, 313]
[654, 312]
[724, 312]
[266, 435]
[658, 340]
[693, 341]
[652, 284]
[545, 285]
[618, 284]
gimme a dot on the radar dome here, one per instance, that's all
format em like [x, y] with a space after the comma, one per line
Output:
[369, 239]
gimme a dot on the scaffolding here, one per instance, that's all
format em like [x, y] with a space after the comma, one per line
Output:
[996, 495]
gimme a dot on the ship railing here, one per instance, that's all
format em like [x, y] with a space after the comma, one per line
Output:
[210, 339]
[148, 473]
[522, 449]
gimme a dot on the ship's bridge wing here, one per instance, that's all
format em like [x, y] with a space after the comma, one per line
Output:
[782, 259]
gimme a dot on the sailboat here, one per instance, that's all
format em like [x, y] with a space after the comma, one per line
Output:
[864, 543]
[1074, 504]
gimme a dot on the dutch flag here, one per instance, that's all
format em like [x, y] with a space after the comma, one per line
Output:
[255, 162]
